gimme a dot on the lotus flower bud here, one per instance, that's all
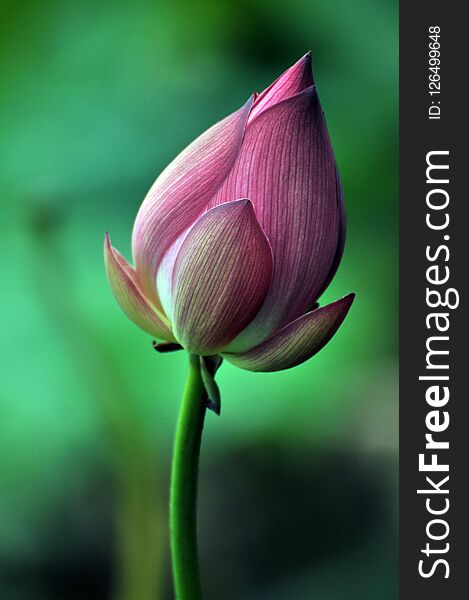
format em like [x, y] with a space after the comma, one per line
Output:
[241, 234]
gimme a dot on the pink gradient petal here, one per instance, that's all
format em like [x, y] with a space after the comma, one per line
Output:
[164, 277]
[297, 342]
[295, 79]
[341, 240]
[221, 275]
[287, 168]
[126, 289]
[181, 193]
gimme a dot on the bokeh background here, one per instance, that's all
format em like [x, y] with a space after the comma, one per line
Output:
[298, 492]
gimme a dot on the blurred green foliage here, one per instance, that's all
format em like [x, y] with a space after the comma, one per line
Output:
[96, 98]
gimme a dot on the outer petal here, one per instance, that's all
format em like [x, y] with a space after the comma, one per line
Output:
[126, 289]
[296, 342]
[221, 276]
[181, 193]
[287, 168]
[341, 240]
[295, 79]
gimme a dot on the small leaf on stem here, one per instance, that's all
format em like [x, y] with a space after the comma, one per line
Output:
[208, 367]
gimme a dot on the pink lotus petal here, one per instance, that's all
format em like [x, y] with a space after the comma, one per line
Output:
[182, 192]
[287, 168]
[126, 289]
[341, 240]
[297, 342]
[164, 277]
[220, 278]
[295, 79]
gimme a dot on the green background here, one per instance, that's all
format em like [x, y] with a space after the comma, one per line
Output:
[298, 491]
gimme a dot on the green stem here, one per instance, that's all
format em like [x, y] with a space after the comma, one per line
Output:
[183, 500]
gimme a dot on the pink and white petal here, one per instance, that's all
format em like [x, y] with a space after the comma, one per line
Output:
[297, 342]
[164, 277]
[287, 168]
[221, 275]
[126, 289]
[295, 79]
[181, 193]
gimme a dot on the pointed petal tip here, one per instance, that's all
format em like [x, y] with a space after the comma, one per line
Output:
[348, 299]
[294, 80]
[307, 62]
[126, 289]
[107, 244]
[302, 67]
[242, 204]
[339, 307]
[296, 342]
[108, 249]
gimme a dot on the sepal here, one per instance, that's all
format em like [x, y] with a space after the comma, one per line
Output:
[209, 365]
